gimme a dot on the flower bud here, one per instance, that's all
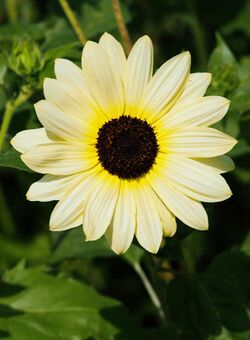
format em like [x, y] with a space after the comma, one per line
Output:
[25, 58]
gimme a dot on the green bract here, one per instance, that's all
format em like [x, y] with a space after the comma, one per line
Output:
[25, 58]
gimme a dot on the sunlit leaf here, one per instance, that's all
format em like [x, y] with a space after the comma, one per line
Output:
[223, 66]
[35, 305]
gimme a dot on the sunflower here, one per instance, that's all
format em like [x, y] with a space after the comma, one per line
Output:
[124, 151]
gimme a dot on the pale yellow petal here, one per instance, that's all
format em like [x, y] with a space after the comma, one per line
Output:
[70, 101]
[194, 179]
[197, 142]
[149, 226]
[100, 206]
[203, 111]
[219, 164]
[60, 124]
[115, 52]
[60, 158]
[71, 75]
[138, 72]
[167, 218]
[165, 87]
[196, 86]
[104, 83]
[68, 73]
[51, 187]
[122, 229]
[68, 213]
[27, 139]
[189, 211]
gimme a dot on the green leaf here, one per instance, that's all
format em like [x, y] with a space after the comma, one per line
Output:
[190, 307]
[3, 68]
[213, 303]
[240, 97]
[226, 335]
[57, 33]
[245, 247]
[224, 69]
[11, 158]
[70, 50]
[242, 148]
[12, 250]
[72, 244]
[35, 305]
[193, 247]
[98, 17]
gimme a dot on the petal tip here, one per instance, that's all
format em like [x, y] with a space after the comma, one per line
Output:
[58, 63]
[52, 226]
[28, 197]
[185, 55]
[119, 250]
[91, 237]
[106, 35]
[152, 248]
[209, 75]
[13, 142]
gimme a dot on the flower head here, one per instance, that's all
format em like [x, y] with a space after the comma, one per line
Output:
[125, 152]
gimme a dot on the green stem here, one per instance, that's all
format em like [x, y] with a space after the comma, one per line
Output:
[121, 25]
[12, 12]
[151, 292]
[73, 21]
[11, 106]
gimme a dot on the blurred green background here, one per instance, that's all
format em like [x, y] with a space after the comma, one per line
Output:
[202, 279]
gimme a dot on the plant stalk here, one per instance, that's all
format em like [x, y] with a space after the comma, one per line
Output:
[151, 292]
[121, 25]
[11, 106]
[73, 21]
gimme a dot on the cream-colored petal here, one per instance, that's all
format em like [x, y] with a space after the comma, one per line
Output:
[103, 81]
[189, 211]
[60, 124]
[27, 139]
[68, 73]
[203, 111]
[195, 180]
[122, 229]
[197, 142]
[115, 52]
[60, 158]
[219, 164]
[68, 213]
[70, 101]
[138, 72]
[196, 86]
[167, 218]
[165, 87]
[100, 206]
[51, 187]
[149, 226]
